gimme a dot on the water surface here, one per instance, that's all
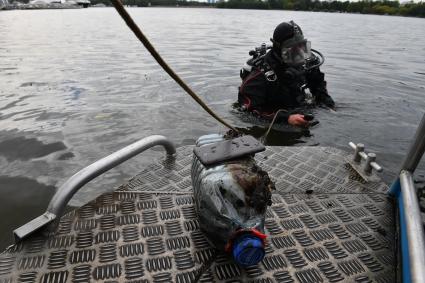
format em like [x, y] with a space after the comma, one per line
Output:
[76, 85]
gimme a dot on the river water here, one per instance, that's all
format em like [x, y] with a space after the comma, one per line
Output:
[76, 85]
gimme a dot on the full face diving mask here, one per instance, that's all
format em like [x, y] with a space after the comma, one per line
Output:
[295, 54]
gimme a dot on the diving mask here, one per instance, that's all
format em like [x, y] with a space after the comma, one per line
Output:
[297, 53]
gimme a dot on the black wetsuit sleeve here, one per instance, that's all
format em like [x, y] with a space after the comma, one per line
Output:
[317, 85]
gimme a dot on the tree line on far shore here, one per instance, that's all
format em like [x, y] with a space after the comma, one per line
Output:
[385, 7]
[362, 7]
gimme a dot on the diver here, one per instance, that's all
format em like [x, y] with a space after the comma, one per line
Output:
[284, 78]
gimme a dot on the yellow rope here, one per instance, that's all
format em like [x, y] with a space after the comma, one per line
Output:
[136, 30]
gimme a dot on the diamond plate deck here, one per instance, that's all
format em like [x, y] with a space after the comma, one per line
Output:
[325, 225]
[293, 169]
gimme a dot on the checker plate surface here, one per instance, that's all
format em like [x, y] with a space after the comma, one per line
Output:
[338, 229]
[293, 169]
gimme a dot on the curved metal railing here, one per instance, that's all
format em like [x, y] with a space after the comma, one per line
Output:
[64, 194]
[411, 228]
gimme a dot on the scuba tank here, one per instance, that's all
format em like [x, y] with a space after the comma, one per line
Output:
[231, 195]
[257, 58]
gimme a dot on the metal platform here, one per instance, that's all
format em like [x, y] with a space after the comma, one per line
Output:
[325, 225]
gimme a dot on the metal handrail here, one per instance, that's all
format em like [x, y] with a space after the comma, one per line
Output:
[64, 194]
[412, 231]
[417, 149]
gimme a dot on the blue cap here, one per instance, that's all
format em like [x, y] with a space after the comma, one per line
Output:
[248, 250]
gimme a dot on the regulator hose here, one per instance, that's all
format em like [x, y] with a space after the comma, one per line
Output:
[319, 56]
[143, 39]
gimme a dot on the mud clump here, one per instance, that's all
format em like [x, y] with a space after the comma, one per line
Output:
[255, 182]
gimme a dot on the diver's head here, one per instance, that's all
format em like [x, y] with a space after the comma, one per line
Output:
[290, 45]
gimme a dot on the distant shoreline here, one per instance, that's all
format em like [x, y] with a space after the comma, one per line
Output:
[42, 8]
[366, 7]
[416, 10]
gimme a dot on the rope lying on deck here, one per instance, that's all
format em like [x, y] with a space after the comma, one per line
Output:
[136, 30]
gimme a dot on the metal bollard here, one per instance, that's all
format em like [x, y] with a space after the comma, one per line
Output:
[370, 161]
[371, 157]
[358, 148]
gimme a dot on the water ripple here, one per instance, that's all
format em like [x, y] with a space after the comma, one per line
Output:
[81, 78]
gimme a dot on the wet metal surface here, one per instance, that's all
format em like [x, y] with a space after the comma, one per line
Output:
[293, 169]
[221, 151]
[337, 233]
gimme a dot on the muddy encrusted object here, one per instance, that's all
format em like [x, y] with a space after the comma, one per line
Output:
[231, 134]
[231, 199]
[254, 181]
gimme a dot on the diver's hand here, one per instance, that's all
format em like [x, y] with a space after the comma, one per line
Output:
[326, 100]
[298, 120]
[329, 102]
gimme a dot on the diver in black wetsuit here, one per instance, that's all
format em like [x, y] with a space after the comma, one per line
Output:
[278, 79]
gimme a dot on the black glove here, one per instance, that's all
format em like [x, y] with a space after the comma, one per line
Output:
[322, 96]
[308, 117]
[326, 100]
